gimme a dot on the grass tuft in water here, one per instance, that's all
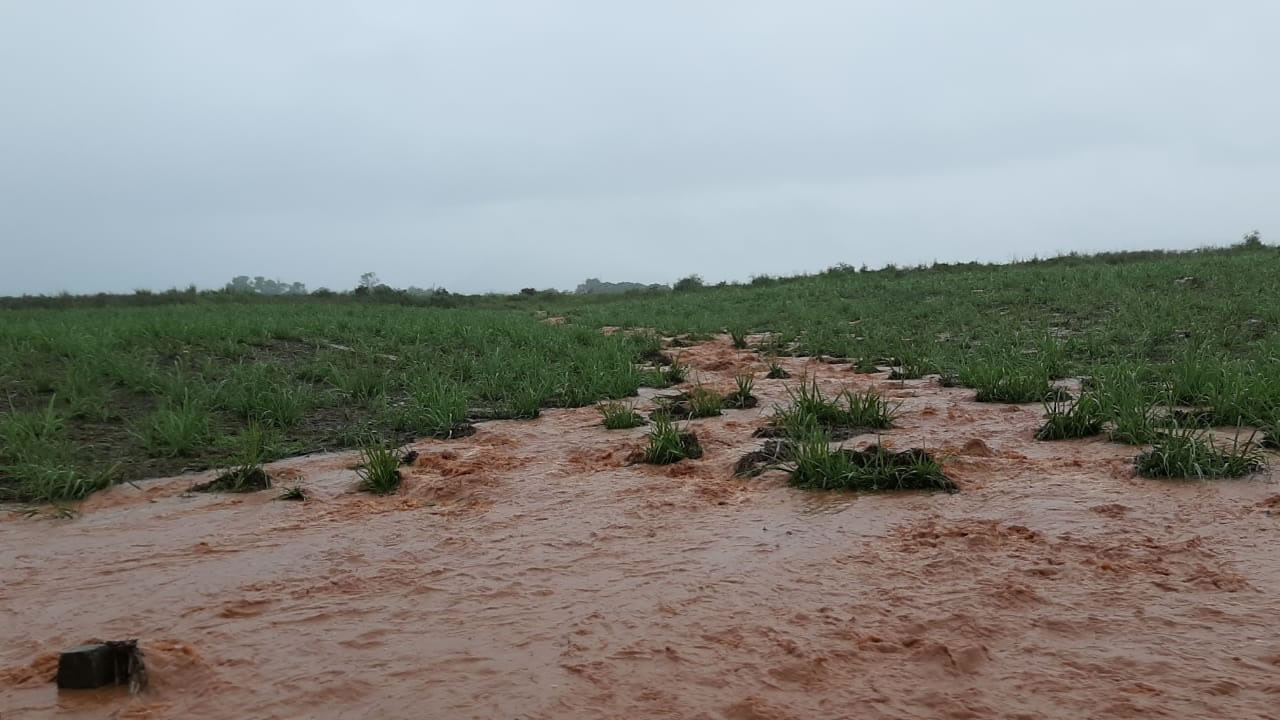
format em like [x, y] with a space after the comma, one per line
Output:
[810, 408]
[776, 371]
[1079, 418]
[294, 493]
[815, 465]
[619, 415]
[247, 474]
[704, 402]
[379, 469]
[741, 397]
[1189, 452]
[669, 444]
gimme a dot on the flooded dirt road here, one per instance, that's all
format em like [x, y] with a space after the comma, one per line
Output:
[527, 572]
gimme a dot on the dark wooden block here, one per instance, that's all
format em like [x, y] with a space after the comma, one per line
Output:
[86, 667]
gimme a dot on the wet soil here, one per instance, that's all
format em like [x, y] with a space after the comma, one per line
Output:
[527, 571]
[238, 480]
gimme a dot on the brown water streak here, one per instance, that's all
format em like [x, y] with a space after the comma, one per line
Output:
[528, 572]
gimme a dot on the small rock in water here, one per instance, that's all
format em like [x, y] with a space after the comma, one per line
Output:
[86, 667]
[97, 664]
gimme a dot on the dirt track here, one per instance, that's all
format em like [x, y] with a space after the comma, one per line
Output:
[526, 572]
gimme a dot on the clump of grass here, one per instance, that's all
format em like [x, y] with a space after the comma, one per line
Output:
[247, 474]
[909, 367]
[364, 382]
[741, 397]
[283, 406]
[47, 479]
[1082, 417]
[32, 432]
[1011, 384]
[949, 380]
[1270, 429]
[379, 469]
[260, 393]
[776, 371]
[810, 408]
[436, 408]
[1127, 403]
[704, 402]
[1190, 417]
[739, 337]
[1188, 452]
[669, 444]
[527, 403]
[866, 366]
[174, 429]
[294, 493]
[1193, 378]
[619, 415]
[88, 395]
[676, 372]
[816, 465]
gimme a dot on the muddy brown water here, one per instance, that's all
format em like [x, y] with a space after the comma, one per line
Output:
[527, 572]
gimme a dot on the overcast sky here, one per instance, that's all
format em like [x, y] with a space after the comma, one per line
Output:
[496, 145]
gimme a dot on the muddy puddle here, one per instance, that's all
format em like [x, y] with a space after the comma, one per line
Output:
[528, 572]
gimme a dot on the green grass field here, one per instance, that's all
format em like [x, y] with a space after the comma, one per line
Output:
[154, 385]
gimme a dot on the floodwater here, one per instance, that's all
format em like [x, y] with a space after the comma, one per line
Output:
[529, 572]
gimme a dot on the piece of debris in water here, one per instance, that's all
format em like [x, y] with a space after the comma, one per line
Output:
[115, 662]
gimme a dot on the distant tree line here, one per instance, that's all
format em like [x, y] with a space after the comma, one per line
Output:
[371, 289]
[594, 286]
[264, 286]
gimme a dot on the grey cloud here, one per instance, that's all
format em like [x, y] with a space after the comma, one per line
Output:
[498, 145]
